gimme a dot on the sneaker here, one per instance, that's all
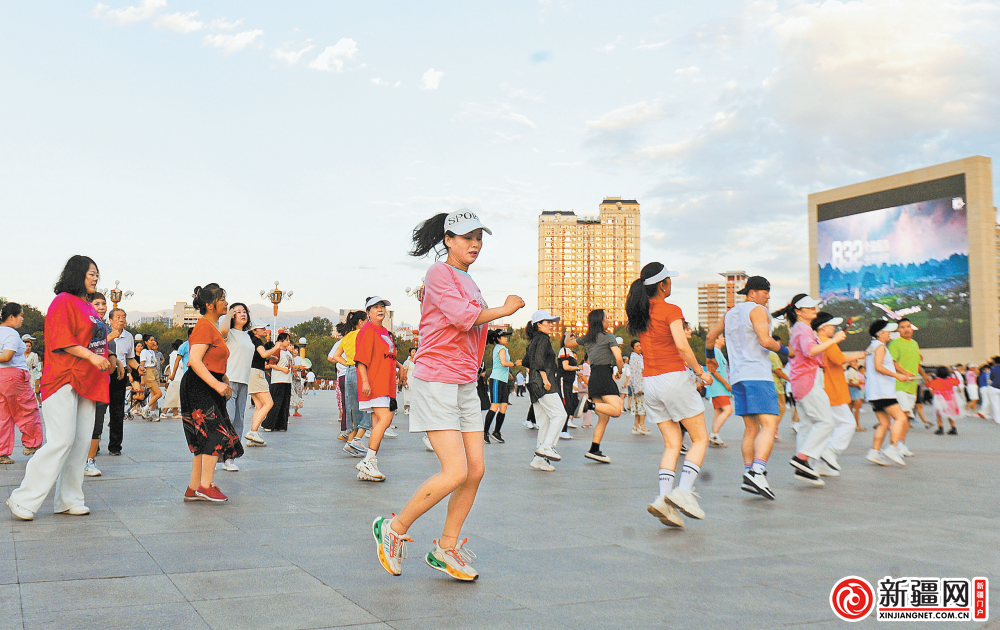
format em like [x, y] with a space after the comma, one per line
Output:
[777, 436]
[802, 465]
[20, 512]
[809, 478]
[230, 466]
[825, 470]
[686, 502]
[892, 452]
[565, 436]
[391, 546]
[354, 449]
[953, 431]
[390, 433]
[548, 453]
[940, 431]
[667, 513]
[254, 437]
[427, 443]
[684, 449]
[571, 425]
[540, 463]
[830, 459]
[115, 453]
[29, 450]
[486, 437]
[343, 437]
[747, 486]
[191, 495]
[76, 510]
[497, 437]
[90, 469]
[876, 457]
[211, 493]
[597, 456]
[368, 470]
[636, 431]
[6, 459]
[759, 482]
[527, 425]
[904, 450]
[455, 562]
[268, 430]
[713, 440]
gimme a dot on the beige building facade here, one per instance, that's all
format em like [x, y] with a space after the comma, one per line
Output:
[586, 263]
[185, 315]
[715, 298]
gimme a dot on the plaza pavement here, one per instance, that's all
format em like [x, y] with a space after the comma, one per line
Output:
[570, 549]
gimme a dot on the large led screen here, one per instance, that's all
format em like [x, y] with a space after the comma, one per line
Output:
[909, 259]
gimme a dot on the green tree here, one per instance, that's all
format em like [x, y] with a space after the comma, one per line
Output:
[314, 328]
[317, 351]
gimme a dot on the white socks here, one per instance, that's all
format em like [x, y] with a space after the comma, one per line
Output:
[688, 474]
[371, 454]
[666, 481]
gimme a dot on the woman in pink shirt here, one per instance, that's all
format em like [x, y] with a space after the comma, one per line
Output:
[806, 373]
[443, 398]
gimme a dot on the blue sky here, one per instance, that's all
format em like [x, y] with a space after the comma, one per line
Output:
[180, 142]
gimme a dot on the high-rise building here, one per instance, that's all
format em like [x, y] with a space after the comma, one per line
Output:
[715, 298]
[185, 315]
[588, 262]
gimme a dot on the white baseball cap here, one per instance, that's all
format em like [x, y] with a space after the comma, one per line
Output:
[807, 302]
[463, 222]
[372, 301]
[26, 337]
[541, 315]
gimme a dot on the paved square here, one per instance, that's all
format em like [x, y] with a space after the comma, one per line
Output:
[570, 549]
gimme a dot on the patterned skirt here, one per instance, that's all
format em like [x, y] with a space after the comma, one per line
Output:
[207, 426]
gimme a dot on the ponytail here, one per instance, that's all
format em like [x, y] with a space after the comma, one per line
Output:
[530, 330]
[429, 236]
[639, 295]
[788, 311]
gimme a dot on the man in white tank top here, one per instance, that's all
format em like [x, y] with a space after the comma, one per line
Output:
[749, 342]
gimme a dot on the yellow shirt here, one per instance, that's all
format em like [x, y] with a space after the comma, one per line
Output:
[348, 344]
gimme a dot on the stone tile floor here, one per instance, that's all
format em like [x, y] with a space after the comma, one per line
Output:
[570, 549]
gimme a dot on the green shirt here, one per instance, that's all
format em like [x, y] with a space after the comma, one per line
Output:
[907, 355]
[779, 385]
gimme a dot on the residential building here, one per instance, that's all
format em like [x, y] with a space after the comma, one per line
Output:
[715, 298]
[185, 315]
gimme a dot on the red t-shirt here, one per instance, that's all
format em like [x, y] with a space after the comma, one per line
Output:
[72, 321]
[659, 352]
[375, 350]
[944, 387]
[217, 356]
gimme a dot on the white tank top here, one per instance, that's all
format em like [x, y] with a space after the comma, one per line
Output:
[879, 386]
[748, 360]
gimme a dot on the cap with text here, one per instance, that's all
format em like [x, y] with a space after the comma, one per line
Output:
[463, 222]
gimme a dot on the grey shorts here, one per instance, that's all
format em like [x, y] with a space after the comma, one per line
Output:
[444, 407]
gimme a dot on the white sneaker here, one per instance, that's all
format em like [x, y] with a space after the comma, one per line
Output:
[230, 466]
[876, 457]
[892, 452]
[904, 449]
[427, 443]
[825, 470]
[527, 425]
[540, 464]
[368, 470]
[565, 436]
[685, 501]
[667, 513]
[713, 440]
[548, 453]
[253, 439]
[20, 512]
[830, 459]
[389, 433]
[90, 469]
[572, 426]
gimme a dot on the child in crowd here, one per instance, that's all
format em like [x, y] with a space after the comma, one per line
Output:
[945, 400]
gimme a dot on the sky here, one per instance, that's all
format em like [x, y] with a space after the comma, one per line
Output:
[185, 142]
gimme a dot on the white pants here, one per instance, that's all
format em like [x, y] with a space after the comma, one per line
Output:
[69, 424]
[995, 403]
[815, 411]
[986, 405]
[843, 428]
[550, 416]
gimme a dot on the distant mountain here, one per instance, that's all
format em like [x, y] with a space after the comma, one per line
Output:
[873, 277]
[258, 313]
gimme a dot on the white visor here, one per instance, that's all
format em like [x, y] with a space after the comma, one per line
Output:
[807, 302]
[836, 321]
[463, 222]
[660, 277]
[375, 300]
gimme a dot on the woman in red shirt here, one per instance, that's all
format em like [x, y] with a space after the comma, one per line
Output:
[375, 358]
[672, 398]
[74, 379]
[204, 390]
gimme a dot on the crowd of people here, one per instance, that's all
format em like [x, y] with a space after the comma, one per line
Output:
[93, 367]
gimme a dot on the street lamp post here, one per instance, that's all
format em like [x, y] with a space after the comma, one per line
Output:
[116, 295]
[303, 342]
[276, 295]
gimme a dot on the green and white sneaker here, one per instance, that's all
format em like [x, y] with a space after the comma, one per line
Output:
[391, 546]
[455, 562]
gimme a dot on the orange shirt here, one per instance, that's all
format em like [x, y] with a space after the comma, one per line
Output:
[659, 352]
[218, 353]
[376, 351]
[834, 381]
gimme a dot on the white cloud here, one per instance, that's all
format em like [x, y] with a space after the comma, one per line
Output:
[232, 43]
[431, 80]
[223, 25]
[179, 22]
[130, 15]
[291, 57]
[628, 116]
[654, 46]
[610, 47]
[332, 59]
[687, 72]
[502, 112]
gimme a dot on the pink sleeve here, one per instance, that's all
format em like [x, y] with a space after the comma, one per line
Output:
[442, 290]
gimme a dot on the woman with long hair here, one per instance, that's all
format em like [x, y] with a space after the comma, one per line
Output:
[204, 389]
[543, 389]
[499, 388]
[672, 399]
[235, 327]
[18, 405]
[880, 390]
[805, 369]
[357, 421]
[605, 356]
[443, 399]
[74, 379]
[378, 373]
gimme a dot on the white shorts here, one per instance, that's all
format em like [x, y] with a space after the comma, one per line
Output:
[671, 396]
[368, 405]
[906, 402]
[258, 383]
[444, 407]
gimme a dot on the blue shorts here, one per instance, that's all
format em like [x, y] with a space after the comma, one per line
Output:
[753, 398]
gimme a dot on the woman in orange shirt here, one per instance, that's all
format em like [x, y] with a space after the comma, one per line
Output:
[204, 391]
